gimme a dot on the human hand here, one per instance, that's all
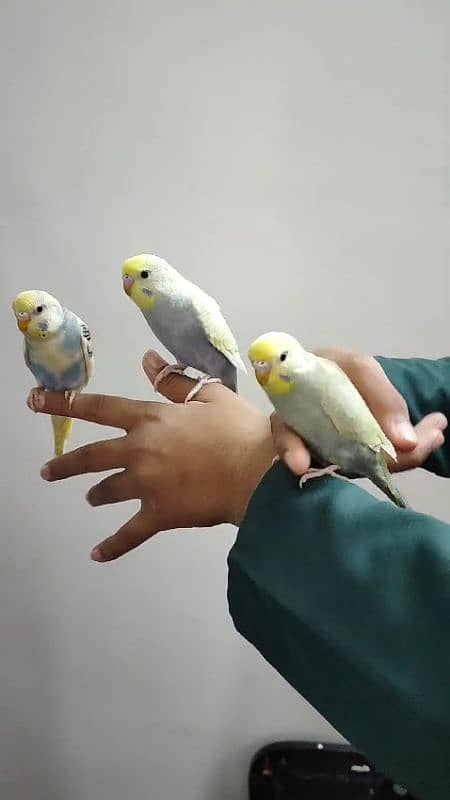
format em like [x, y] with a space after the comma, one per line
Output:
[413, 445]
[190, 465]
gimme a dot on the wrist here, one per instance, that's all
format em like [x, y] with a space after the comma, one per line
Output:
[256, 459]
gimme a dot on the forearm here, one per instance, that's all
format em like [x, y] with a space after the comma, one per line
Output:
[425, 385]
[349, 599]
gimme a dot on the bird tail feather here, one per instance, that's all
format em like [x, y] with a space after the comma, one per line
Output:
[229, 377]
[62, 427]
[383, 479]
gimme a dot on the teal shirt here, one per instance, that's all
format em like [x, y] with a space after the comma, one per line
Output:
[348, 597]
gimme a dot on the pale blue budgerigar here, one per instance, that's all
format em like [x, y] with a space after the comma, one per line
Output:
[57, 350]
[186, 320]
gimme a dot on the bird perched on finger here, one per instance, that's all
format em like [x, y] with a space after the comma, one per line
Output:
[186, 320]
[315, 398]
[57, 350]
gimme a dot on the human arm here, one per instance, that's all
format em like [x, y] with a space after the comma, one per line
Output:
[349, 599]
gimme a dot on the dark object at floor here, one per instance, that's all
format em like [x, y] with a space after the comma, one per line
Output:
[315, 771]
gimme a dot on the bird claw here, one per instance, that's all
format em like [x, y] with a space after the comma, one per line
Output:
[169, 369]
[199, 385]
[317, 473]
[70, 397]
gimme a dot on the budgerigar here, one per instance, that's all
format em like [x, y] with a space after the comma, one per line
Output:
[57, 350]
[315, 398]
[186, 320]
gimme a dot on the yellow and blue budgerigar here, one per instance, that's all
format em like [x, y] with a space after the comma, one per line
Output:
[315, 398]
[57, 350]
[186, 320]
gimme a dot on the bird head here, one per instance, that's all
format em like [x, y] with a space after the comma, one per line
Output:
[38, 314]
[144, 278]
[277, 359]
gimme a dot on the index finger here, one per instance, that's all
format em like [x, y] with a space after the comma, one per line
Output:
[176, 387]
[115, 412]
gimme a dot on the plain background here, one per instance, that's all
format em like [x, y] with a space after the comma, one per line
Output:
[291, 158]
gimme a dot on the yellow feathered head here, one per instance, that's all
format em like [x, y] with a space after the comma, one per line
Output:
[145, 277]
[276, 359]
[39, 315]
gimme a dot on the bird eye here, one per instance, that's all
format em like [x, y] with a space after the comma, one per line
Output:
[39, 309]
[144, 274]
[283, 356]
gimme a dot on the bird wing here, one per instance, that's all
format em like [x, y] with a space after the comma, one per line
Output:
[347, 410]
[216, 328]
[86, 348]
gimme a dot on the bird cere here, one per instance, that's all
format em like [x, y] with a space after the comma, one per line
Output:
[57, 350]
[312, 395]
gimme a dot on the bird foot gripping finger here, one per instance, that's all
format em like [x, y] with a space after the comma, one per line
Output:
[169, 369]
[317, 473]
[199, 385]
[70, 397]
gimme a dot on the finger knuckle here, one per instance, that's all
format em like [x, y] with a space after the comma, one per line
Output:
[141, 473]
[141, 450]
[403, 409]
[99, 406]
[361, 361]
[148, 411]
[85, 458]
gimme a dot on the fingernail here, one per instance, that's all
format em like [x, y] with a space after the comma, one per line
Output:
[406, 432]
[36, 400]
[45, 472]
[97, 555]
[153, 361]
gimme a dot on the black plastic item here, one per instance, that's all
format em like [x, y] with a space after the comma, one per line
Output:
[316, 771]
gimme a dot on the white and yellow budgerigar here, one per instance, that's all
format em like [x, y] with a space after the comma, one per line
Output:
[57, 350]
[186, 320]
[315, 398]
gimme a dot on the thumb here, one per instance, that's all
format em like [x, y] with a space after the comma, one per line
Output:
[177, 387]
[289, 446]
[136, 531]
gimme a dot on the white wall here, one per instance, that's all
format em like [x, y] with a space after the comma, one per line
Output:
[292, 158]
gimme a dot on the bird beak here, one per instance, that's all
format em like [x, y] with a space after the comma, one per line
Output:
[262, 371]
[23, 323]
[127, 284]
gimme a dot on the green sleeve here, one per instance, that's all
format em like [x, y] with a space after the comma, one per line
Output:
[425, 385]
[348, 598]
